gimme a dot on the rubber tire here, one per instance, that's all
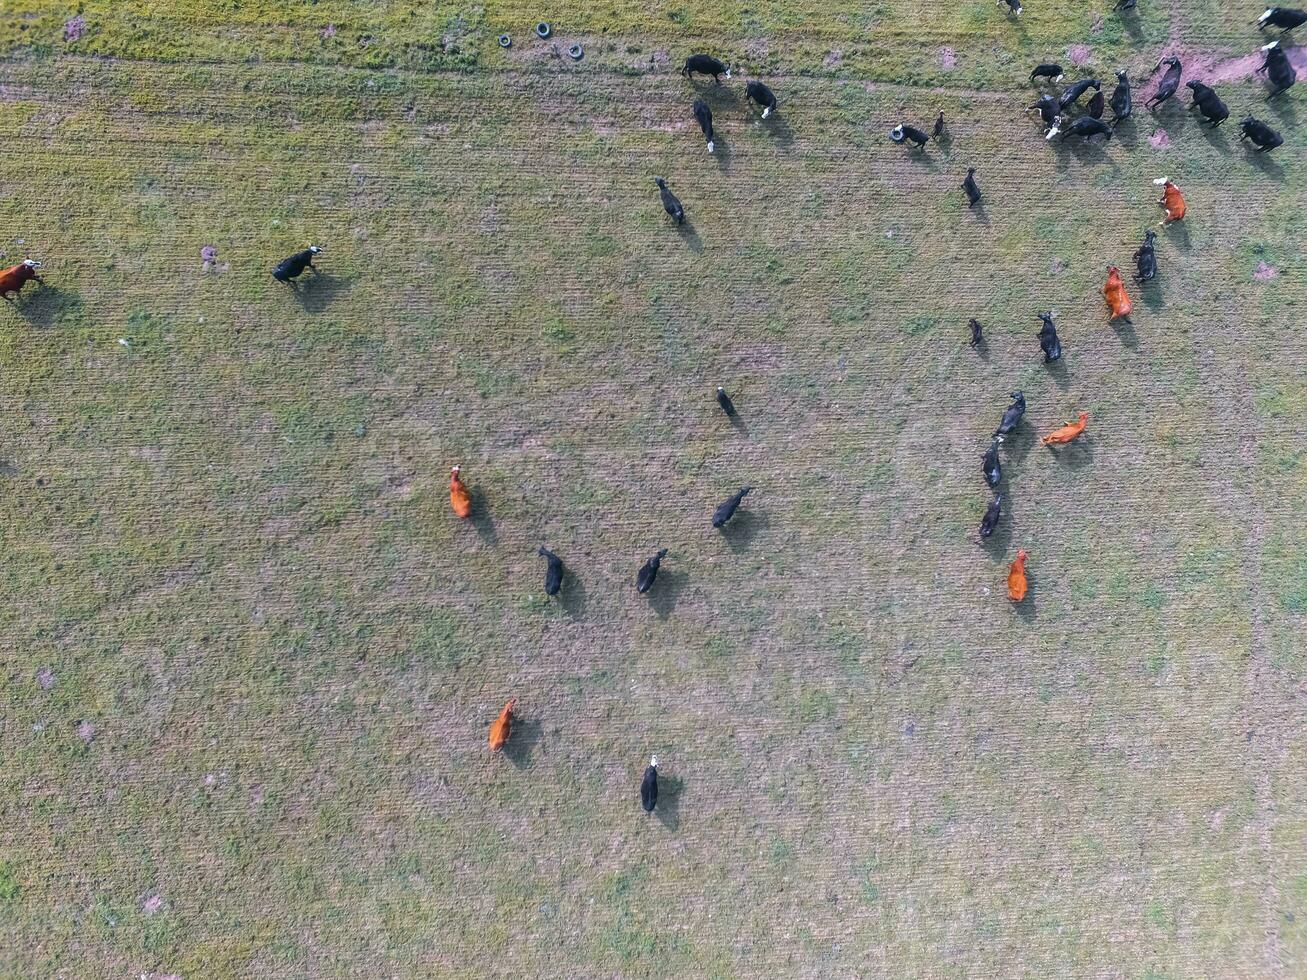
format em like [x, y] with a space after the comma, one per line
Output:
[505, 41]
[543, 30]
[576, 52]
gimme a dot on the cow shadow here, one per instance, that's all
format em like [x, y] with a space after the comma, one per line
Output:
[1216, 137]
[1264, 163]
[1126, 133]
[1026, 607]
[666, 590]
[1284, 108]
[690, 236]
[740, 532]
[572, 596]
[1151, 294]
[1177, 234]
[981, 348]
[739, 425]
[668, 810]
[521, 745]
[721, 153]
[1057, 370]
[47, 305]
[481, 519]
[1076, 455]
[780, 131]
[1018, 444]
[979, 211]
[317, 293]
[1125, 332]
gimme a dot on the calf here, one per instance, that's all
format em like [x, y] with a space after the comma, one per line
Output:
[1052, 72]
[705, 64]
[1285, 18]
[13, 279]
[1118, 302]
[1208, 103]
[1073, 92]
[1013, 6]
[1120, 101]
[1084, 126]
[992, 513]
[1263, 135]
[990, 464]
[1095, 107]
[1047, 106]
[292, 268]
[1012, 414]
[671, 204]
[724, 400]
[649, 572]
[1048, 339]
[938, 131]
[969, 186]
[1146, 258]
[649, 786]
[911, 134]
[761, 94]
[1171, 201]
[726, 509]
[977, 332]
[1170, 82]
[553, 571]
[704, 115]
[1278, 69]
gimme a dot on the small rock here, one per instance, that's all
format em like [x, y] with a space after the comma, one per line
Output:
[152, 905]
[948, 58]
[74, 28]
[45, 677]
[1265, 272]
[1078, 54]
[86, 732]
[1159, 140]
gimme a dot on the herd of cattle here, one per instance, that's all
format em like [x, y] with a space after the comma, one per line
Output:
[1055, 111]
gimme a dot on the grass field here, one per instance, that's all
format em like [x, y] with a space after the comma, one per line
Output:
[250, 657]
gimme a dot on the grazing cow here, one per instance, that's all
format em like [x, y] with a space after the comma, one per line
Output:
[911, 134]
[992, 513]
[1120, 102]
[290, 269]
[13, 279]
[1013, 6]
[704, 115]
[502, 727]
[724, 400]
[1263, 135]
[760, 93]
[553, 571]
[671, 204]
[649, 572]
[1016, 577]
[1012, 414]
[1208, 103]
[1068, 433]
[1048, 339]
[1047, 106]
[1170, 82]
[705, 64]
[1146, 258]
[1278, 70]
[649, 786]
[969, 185]
[1118, 301]
[1095, 107]
[1285, 18]
[1172, 201]
[459, 497]
[938, 131]
[990, 464]
[1084, 126]
[977, 332]
[1049, 71]
[726, 509]
[1073, 92]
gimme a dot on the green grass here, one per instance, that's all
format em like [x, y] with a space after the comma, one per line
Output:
[250, 658]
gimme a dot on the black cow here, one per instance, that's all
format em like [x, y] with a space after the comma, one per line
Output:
[969, 185]
[992, 513]
[1012, 414]
[1047, 106]
[938, 131]
[1095, 107]
[1263, 135]
[287, 270]
[1125, 4]
[553, 571]
[1146, 258]
[671, 204]
[724, 400]
[990, 464]
[649, 572]
[1073, 92]
[1121, 103]
[1285, 18]
[1278, 69]
[911, 134]
[1169, 83]
[726, 509]
[764, 96]
[1013, 6]
[977, 332]
[1052, 72]
[1208, 103]
[1048, 339]
[704, 115]
[705, 64]
[649, 786]
[1084, 126]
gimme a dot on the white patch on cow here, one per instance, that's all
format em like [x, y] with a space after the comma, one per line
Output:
[728, 73]
[1162, 180]
[1268, 47]
[766, 112]
[654, 762]
[711, 146]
